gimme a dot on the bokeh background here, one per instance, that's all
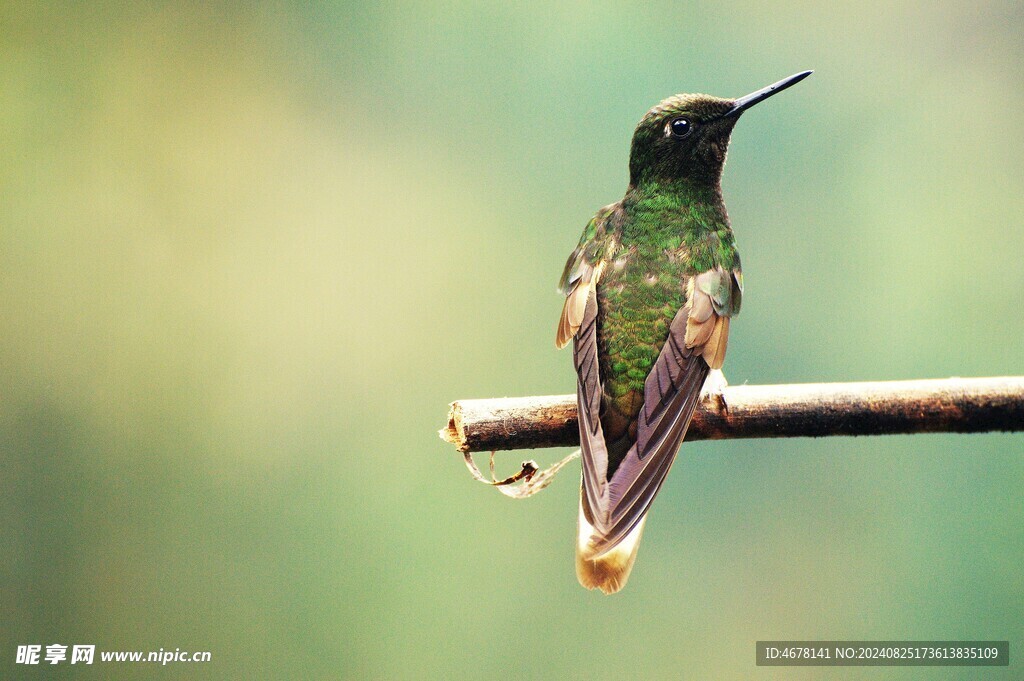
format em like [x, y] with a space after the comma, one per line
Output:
[250, 251]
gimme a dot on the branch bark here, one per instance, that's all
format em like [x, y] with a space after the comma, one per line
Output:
[952, 405]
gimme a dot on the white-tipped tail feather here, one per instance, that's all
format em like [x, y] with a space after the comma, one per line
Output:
[606, 571]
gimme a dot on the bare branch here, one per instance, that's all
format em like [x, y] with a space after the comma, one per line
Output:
[952, 405]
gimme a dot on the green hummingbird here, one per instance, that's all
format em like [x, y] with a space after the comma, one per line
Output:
[650, 291]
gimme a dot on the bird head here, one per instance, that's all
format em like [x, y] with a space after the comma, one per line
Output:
[686, 137]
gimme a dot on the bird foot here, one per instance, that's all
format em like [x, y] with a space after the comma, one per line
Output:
[714, 389]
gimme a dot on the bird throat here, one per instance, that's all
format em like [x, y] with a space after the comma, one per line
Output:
[673, 210]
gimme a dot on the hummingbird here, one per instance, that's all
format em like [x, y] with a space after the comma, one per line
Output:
[650, 291]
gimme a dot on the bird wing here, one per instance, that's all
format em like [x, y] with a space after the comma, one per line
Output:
[697, 342]
[579, 321]
[580, 276]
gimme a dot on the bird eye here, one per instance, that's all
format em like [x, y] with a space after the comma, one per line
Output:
[681, 127]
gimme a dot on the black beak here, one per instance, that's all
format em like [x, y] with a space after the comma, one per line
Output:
[744, 103]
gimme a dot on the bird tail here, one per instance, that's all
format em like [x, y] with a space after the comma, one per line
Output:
[610, 570]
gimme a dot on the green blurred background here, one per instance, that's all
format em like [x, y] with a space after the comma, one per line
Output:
[249, 252]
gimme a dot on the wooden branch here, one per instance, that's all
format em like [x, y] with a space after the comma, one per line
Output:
[952, 405]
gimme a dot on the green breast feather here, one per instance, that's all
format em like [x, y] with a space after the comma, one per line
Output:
[662, 243]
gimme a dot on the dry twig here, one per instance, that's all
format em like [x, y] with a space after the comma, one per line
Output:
[952, 405]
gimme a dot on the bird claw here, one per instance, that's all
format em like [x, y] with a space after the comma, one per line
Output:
[714, 389]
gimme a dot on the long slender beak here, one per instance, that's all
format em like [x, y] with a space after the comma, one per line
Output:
[744, 103]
